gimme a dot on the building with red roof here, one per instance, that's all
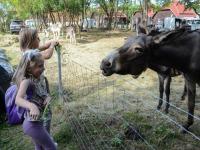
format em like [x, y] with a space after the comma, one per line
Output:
[175, 9]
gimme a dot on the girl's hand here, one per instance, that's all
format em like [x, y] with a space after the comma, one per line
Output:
[47, 100]
[54, 43]
[34, 111]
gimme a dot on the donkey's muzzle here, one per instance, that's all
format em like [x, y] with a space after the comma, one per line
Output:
[106, 68]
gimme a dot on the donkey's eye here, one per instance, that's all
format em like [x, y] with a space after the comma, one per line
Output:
[139, 49]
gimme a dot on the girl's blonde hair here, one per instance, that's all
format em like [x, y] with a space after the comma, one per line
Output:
[26, 38]
[27, 63]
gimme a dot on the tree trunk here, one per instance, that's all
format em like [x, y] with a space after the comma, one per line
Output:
[52, 18]
[109, 25]
[59, 17]
[145, 13]
[115, 19]
[79, 28]
[44, 19]
[82, 19]
[110, 19]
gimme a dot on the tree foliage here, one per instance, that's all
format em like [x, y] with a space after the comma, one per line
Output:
[6, 15]
[160, 4]
[129, 8]
[74, 10]
[194, 4]
[108, 7]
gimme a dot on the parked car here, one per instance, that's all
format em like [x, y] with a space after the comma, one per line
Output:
[16, 26]
[194, 23]
[89, 23]
[172, 23]
[30, 23]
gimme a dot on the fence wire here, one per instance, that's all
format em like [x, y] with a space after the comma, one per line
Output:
[95, 108]
[106, 85]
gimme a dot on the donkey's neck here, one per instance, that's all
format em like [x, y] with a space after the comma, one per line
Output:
[169, 56]
[159, 68]
[179, 50]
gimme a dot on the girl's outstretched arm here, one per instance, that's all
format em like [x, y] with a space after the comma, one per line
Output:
[20, 101]
[47, 49]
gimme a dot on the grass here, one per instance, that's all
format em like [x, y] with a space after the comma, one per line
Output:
[65, 137]
[12, 138]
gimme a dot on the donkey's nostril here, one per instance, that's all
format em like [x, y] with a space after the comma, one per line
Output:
[107, 64]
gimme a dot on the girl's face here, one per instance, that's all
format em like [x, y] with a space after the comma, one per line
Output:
[36, 42]
[38, 69]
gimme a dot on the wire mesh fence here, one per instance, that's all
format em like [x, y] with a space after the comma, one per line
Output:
[104, 97]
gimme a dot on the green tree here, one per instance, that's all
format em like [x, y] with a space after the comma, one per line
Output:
[194, 4]
[146, 4]
[6, 15]
[3, 15]
[129, 8]
[108, 7]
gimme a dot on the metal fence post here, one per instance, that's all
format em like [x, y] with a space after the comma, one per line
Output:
[60, 88]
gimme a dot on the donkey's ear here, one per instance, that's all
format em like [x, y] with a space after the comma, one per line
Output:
[142, 29]
[153, 32]
[160, 37]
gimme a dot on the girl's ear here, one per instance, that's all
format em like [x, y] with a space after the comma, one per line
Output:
[32, 57]
[28, 70]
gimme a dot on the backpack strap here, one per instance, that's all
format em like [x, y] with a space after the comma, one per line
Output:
[47, 85]
[30, 90]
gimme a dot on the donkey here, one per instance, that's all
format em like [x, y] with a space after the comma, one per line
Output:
[55, 29]
[178, 49]
[46, 32]
[164, 75]
[70, 32]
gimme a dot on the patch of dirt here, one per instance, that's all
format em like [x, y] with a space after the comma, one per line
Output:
[7, 40]
[91, 54]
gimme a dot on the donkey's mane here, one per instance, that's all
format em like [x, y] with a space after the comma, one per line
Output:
[173, 35]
